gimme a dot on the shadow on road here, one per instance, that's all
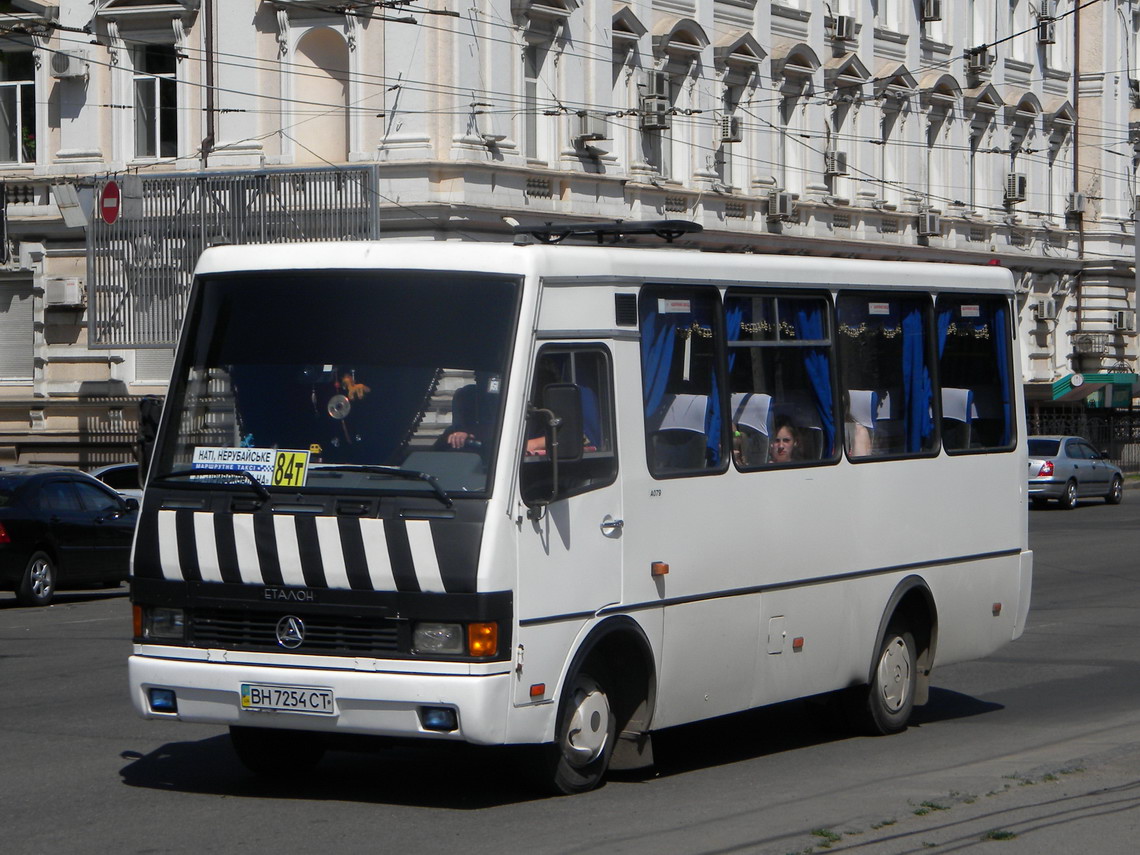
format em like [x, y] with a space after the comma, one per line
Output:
[453, 776]
[68, 598]
[464, 777]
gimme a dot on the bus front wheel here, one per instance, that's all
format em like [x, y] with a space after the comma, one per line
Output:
[587, 729]
[885, 705]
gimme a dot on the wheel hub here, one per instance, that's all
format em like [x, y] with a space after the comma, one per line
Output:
[41, 579]
[589, 728]
[894, 675]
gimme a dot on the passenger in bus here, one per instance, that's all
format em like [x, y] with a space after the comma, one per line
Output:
[474, 412]
[785, 445]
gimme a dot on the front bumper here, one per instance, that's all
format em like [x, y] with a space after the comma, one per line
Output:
[374, 703]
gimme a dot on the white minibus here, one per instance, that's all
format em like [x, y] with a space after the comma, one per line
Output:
[565, 496]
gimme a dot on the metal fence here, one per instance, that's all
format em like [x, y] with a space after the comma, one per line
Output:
[139, 267]
[1114, 431]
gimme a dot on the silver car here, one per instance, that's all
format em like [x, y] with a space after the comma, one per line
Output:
[1068, 468]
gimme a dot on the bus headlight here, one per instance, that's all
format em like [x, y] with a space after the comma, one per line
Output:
[479, 639]
[163, 624]
[439, 638]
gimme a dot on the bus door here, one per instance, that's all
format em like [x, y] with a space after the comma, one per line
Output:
[570, 547]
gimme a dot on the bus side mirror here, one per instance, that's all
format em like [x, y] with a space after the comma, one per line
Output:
[564, 439]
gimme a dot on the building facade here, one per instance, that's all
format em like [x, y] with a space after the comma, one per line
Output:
[995, 131]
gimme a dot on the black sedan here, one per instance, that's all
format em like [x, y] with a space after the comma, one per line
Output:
[61, 528]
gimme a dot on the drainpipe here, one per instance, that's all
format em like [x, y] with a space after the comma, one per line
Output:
[208, 24]
[1078, 360]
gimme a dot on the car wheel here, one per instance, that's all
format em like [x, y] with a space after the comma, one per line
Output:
[275, 753]
[1116, 491]
[587, 729]
[1068, 500]
[885, 706]
[37, 585]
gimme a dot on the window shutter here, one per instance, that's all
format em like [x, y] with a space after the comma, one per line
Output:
[16, 332]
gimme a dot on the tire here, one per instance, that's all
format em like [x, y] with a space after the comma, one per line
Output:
[37, 585]
[1115, 491]
[1068, 500]
[275, 753]
[584, 742]
[885, 706]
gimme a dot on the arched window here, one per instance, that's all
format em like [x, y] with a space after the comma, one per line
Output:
[320, 111]
[895, 86]
[792, 70]
[941, 97]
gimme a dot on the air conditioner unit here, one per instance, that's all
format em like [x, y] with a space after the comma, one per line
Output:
[834, 162]
[69, 65]
[1076, 204]
[1124, 321]
[931, 10]
[656, 114]
[731, 129]
[63, 292]
[929, 224]
[1046, 310]
[979, 60]
[844, 28]
[780, 206]
[591, 128]
[656, 84]
[1015, 187]
[1046, 31]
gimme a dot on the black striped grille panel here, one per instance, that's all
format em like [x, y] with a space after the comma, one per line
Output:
[234, 629]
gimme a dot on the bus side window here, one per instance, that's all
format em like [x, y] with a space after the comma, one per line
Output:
[680, 380]
[588, 368]
[780, 378]
[885, 375]
[974, 372]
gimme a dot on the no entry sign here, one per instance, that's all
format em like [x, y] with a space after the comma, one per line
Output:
[109, 202]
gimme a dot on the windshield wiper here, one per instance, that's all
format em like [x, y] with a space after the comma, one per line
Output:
[394, 471]
[258, 487]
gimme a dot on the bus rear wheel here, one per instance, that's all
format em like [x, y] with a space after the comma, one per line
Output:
[272, 753]
[885, 705]
[587, 729]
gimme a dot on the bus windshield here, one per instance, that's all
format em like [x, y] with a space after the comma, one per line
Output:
[330, 381]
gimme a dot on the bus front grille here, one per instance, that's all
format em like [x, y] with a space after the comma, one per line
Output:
[331, 635]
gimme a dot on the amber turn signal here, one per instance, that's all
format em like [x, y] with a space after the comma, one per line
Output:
[483, 639]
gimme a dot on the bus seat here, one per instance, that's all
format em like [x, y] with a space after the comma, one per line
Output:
[958, 412]
[862, 413]
[752, 410]
[679, 441]
[751, 417]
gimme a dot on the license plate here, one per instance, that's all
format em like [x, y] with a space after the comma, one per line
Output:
[294, 699]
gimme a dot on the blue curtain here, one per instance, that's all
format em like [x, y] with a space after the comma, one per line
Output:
[817, 363]
[659, 334]
[658, 338]
[917, 385]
